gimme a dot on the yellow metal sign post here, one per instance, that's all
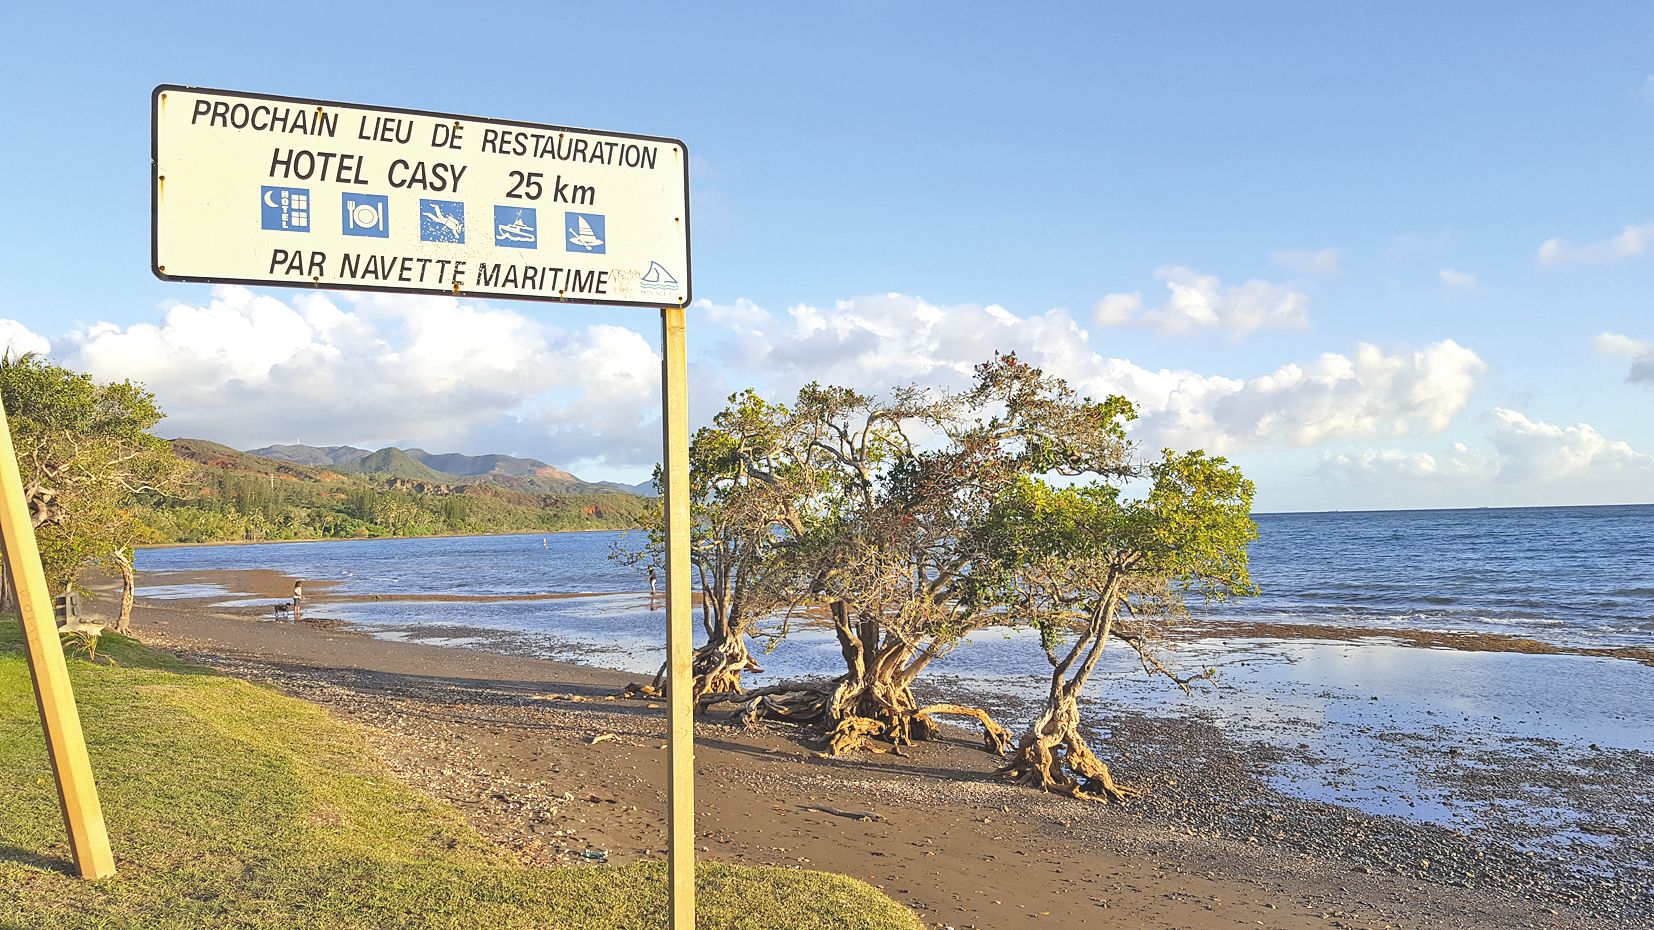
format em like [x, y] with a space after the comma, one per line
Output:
[680, 752]
[88, 840]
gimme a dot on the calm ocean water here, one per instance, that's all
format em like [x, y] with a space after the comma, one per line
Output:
[1572, 575]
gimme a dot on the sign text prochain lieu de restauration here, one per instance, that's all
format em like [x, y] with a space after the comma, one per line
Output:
[412, 201]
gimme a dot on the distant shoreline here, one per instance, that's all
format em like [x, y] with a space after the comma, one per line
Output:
[1307, 513]
[345, 539]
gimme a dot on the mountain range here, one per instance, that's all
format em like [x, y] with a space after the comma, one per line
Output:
[300, 493]
[509, 471]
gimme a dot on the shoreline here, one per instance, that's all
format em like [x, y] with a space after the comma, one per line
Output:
[1220, 806]
[509, 740]
[1308, 513]
[1461, 640]
[273, 583]
[344, 539]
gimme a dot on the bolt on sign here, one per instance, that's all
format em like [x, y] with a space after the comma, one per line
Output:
[264, 190]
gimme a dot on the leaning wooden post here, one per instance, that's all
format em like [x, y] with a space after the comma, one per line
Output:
[88, 840]
[680, 744]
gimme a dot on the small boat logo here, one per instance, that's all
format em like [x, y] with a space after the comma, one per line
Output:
[586, 232]
[658, 278]
[516, 231]
[514, 227]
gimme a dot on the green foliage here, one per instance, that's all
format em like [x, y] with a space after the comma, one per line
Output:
[879, 505]
[904, 482]
[82, 644]
[84, 453]
[230, 496]
[1067, 558]
[232, 806]
[740, 500]
[1194, 527]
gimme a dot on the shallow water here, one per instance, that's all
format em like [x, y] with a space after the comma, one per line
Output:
[181, 592]
[1381, 727]
[1580, 576]
[558, 563]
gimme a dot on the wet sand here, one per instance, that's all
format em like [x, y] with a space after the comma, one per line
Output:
[1464, 641]
[509, 740]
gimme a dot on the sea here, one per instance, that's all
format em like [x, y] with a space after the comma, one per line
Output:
[1364, 722]
[1573, 576]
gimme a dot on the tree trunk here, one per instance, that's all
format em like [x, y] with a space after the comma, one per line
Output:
[875, 698]
[871, 703]
[718, 664]
[1053, 754]
[8, 595]
[129, 585]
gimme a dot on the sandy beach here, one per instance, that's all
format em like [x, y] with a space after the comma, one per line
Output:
[544, 759]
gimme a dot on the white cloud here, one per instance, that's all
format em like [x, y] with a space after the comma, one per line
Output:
[1524, 452]
[895, 338]
[1532, 449]
[1365, 393]
[1308, 261]
[1459, 465]
[1640, 353]
[1456, 279]
[247, 369]
[1117, 309]
[1201, 301]
[17, 339]
[880, 340]
[1632, 240]
[1621, 345]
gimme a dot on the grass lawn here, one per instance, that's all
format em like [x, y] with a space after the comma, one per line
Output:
[231, 806]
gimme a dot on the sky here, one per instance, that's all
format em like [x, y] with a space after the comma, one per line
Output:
[1380, 255]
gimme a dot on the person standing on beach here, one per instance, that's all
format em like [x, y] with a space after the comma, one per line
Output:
[653, 589]
[298, 599]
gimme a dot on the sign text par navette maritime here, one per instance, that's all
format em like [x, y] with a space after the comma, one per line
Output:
[269, 190]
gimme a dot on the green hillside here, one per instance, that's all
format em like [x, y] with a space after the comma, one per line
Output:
[454, 463]
[393, 463]
[507, 471]
[310, 455]
[233, 495]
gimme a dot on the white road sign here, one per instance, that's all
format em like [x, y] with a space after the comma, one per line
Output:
[255, 189]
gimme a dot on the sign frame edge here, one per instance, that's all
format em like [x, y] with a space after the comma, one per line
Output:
[155, 204]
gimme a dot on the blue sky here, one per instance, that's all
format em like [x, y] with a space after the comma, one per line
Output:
[886, 193]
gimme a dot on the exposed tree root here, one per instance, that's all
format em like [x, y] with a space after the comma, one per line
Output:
[995, 738]
[855, 716]
[787, 704]
[717, 666]
[853, 733]
[1054, 757]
